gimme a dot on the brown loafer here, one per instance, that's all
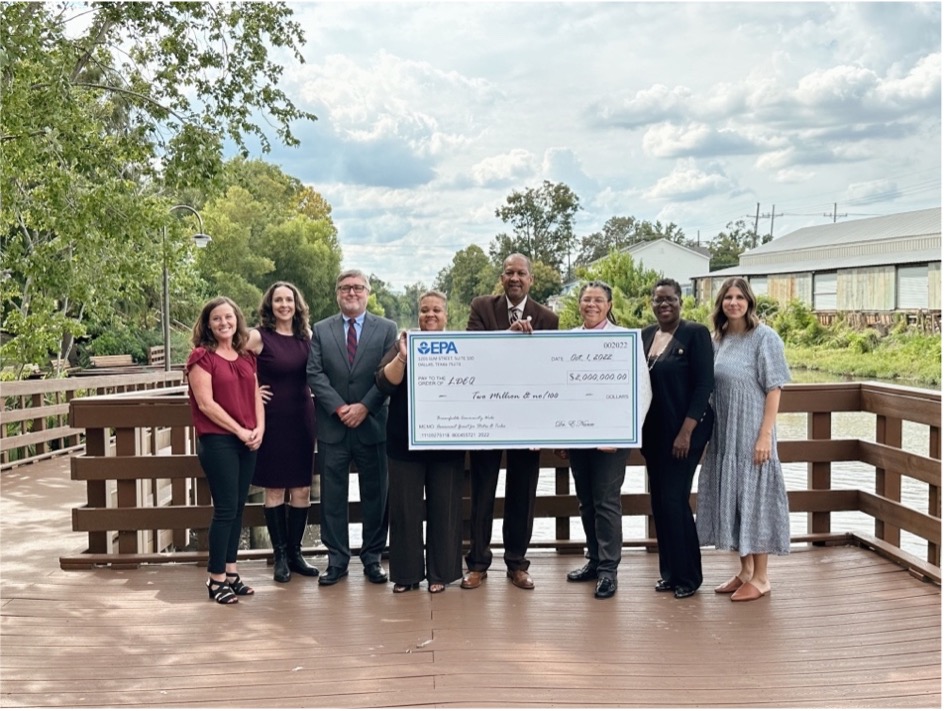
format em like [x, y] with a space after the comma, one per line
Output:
[472, 579]
[521, 579]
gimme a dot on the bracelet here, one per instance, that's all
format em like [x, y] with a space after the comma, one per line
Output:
[403, 360]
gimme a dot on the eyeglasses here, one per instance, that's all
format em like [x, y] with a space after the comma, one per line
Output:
[593, 300]
[353, 288]
[658, 300]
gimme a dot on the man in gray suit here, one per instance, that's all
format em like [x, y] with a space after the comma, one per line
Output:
[350, 425]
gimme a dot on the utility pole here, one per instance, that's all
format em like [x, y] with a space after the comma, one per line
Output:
[756, 224]
[834, 214]
[772, 219]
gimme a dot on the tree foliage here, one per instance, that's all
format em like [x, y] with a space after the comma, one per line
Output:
[265, 229]
[620, 232]
[726, 247]
[469, 274]
[108, 110]
[631, 291]
[543, 224]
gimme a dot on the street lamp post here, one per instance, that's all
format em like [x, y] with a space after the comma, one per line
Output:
[200, 239]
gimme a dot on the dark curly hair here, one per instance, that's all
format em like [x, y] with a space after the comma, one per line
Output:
[300, 317]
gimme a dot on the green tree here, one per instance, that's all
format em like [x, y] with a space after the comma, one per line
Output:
[107, 108]
[470, 274]
[726, 247]
[631, 291]
[621, 232]
[543, 222]
[546, 281]
[267, 227]
[386, 298]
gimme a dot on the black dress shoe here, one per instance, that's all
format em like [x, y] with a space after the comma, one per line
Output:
[333, 575]
[663, 586]
[375, 573]
[580, 575]
[680, 592]
[605, 587]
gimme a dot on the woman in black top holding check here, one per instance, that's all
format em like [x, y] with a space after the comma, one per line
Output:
[678, 425]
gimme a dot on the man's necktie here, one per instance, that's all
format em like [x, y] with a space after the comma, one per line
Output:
[514, 315]
[351, 342]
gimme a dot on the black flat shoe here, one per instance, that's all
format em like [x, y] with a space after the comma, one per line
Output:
[680, 592]
[333, 575]
[580, 575]
[663, 586]
[398, 588]
[605, 588]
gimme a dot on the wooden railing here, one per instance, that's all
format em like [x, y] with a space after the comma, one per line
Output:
[34, 413]
[146, 490]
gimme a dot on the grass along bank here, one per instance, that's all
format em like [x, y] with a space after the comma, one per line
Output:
[903, 353]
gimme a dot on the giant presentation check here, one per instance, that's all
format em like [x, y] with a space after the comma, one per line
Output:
[503, 390]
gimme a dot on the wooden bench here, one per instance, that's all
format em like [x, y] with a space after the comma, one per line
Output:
[156, 355]
[111, 361]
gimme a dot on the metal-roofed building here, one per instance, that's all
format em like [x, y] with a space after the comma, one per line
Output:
[880, 264]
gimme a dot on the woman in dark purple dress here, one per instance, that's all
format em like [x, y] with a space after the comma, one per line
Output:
[284, 462]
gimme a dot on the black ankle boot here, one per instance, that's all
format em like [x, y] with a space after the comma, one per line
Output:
[295, 528]
[276, 525]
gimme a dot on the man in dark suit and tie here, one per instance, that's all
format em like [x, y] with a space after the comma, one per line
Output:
[350, 425]
[515, 311]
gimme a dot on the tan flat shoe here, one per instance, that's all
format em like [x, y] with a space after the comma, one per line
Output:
[747, 592]
[731, 586]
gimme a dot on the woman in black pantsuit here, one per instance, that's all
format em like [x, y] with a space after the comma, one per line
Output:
[599, 473]
[676, 429]
[412, 474]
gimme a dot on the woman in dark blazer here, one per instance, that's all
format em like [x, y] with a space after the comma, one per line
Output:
[678, 425]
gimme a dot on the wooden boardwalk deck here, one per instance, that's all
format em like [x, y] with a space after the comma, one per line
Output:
[842, 628]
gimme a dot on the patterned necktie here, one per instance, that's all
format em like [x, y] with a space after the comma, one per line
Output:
[351, 342]
[514, 315]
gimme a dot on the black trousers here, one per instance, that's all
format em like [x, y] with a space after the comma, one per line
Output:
[598, 478]
[443, 482]
[228, 467]
[670, 482]
[333, 462]
[522, 477]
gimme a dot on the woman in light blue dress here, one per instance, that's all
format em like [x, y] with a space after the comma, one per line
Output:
[741, 502]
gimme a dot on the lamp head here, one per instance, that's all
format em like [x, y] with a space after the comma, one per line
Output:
[201, 240]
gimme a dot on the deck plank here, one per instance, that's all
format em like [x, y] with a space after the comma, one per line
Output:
[843, 627]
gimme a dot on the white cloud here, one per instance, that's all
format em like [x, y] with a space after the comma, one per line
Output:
[870, 191]
[503, 170]
[921, 85]
[688, 182]
[646, 106]
[432, 113]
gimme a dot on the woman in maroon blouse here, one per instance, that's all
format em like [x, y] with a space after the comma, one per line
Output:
[227, 411]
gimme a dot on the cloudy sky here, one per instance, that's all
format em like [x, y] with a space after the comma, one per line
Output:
[430, 114]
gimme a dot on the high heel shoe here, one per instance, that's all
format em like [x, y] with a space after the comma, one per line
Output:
[220, 591]
[238, 586]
